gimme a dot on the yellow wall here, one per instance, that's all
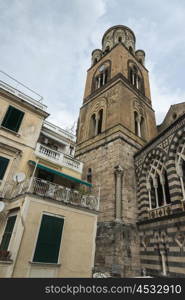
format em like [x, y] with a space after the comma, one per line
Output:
[77, 246]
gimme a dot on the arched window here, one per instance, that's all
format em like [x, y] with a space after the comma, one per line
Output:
[135, 77]
[100, 120]
[142, 126]
[152, 194]
[159, 191]
[95, 60]
[130, 50]
[166, 186]
[136, 123]
[101, 79]
[92, 125]
[158, 187]
[107, 49]
[120, 39]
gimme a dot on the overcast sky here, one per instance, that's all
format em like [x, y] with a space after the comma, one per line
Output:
[47, 45]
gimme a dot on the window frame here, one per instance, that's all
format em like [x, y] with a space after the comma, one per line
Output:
[13, 214]
[1, 179]
[6, 117]
[37, 235]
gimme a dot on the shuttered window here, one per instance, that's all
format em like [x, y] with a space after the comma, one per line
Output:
[49, 240]
[8, 233]
[3, 166]
[13, 119]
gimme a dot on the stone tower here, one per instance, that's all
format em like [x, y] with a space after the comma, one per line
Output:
[116, 120]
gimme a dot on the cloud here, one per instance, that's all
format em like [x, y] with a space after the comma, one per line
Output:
[47, 45]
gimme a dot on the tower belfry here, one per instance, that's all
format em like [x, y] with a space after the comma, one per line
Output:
[116, 120]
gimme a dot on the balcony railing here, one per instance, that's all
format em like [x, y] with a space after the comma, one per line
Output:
[160, 212]
[56, 192]
[13, 86]
[58, 157]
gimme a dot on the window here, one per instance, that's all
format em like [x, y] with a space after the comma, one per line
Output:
[158, 188]
[3, 166]
[8, 233]
[92, 126]
[101, 79]
[120, 39]
[107, 49]
[100, 119]
[136, 123]
[135, 78]
[13, 119]
[49, 239]
[130, 50]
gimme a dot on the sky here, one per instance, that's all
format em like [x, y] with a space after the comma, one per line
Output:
[47, 45]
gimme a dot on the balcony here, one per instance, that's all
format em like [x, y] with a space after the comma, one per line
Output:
[59, 158]
[56, 192]
[160, 212]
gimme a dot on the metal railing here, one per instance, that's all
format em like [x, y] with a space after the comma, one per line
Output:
[56, 192]
[20, 90]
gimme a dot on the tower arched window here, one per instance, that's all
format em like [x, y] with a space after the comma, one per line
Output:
[135, 77]
[120, 39]
[100, 121]
[101, 79]
[136, 123]
[142, 126]
[95, 60]
[92, 125]
[130, 50]
[107, 49]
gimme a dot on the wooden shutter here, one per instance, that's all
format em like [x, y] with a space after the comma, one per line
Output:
[49, 239]
[3, 166]
[8, 233]
[13, 118]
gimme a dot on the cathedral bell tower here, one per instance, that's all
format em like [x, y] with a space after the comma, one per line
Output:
[115, 121]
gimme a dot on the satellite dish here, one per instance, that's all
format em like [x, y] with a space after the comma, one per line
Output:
[2, 206]
[19, 177]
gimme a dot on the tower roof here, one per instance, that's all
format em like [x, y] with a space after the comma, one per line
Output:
[119, 27]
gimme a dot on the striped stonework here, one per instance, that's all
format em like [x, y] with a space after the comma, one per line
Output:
[162, 228]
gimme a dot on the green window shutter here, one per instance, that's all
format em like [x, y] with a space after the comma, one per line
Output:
[8, 233]
[49, 239]
[13, 119]
[3, 166]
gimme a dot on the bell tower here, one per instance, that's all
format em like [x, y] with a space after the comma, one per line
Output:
[116, 120]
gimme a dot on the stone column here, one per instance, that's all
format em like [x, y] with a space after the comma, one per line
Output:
[180, 174]
[163, 262]
[163, 188]
[118, 176]
[138, 120]
[156, 194]
[148, 186]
